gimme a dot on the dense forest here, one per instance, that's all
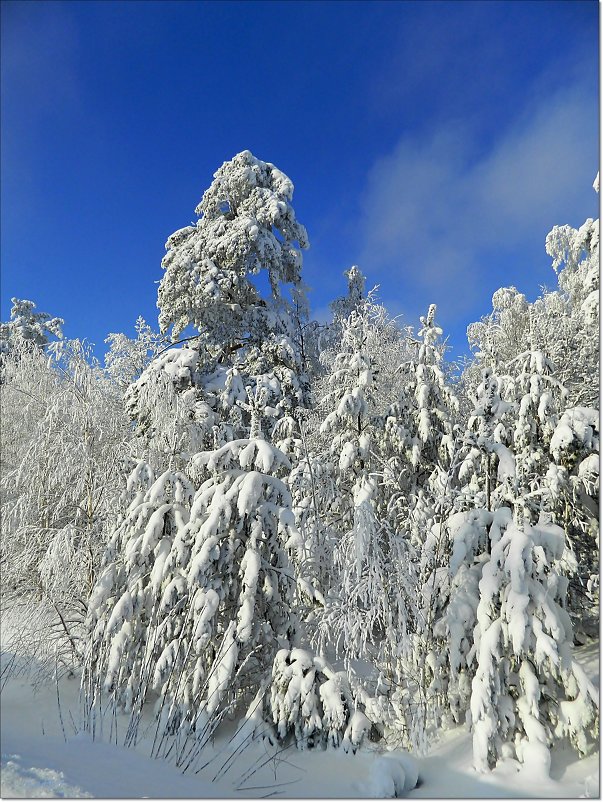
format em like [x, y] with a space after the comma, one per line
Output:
[328, 533]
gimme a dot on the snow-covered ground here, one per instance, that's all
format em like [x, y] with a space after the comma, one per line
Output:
[43, 756]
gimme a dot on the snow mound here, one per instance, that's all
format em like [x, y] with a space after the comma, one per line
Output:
[392, 776]
[23, 783]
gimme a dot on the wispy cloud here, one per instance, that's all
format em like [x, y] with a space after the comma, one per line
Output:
[437, 208]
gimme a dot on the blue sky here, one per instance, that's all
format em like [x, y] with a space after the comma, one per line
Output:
[432, 143]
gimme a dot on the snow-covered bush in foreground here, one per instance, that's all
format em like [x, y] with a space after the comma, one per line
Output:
[314, 703]
[392, 776]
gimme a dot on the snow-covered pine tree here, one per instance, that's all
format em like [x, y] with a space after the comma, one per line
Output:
[420, 434]
[195, 600]
[419, 431]
[528, 688]
[214, 270]
[457, 546]
[369, 600]
[429, 408]
[573, 479]
[246, 225]
[322, 339]
[198, 592]
[355, 298]
[348, 404]
[484, 459]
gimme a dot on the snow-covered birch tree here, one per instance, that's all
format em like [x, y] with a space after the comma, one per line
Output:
[64, 437]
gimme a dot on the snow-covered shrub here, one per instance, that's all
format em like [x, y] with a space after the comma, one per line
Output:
[314, 703]
[392, 776]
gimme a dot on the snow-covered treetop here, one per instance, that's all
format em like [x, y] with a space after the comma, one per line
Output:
[344, 306]
[489, 405]
[502, 332]
[578, 251]
[127, 358]
[430, 334]
[25, 325]
[566, 244]
[246, 224]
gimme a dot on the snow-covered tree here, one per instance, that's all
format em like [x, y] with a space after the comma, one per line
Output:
[564, 325]
[245, 341]
[564, 322]
[326, 336]
[455, 545]
[196, 598]
[484, 459]
[355, 298]
[573, 478]
[420, 430]
[434, 412]
[27, 326]
[419, 439]
[128, 357]
[246, 225]
[199, 579]
[369, 591]
[64, 439]
[528, 688]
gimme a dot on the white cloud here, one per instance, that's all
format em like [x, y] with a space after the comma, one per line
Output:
[435, 209]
